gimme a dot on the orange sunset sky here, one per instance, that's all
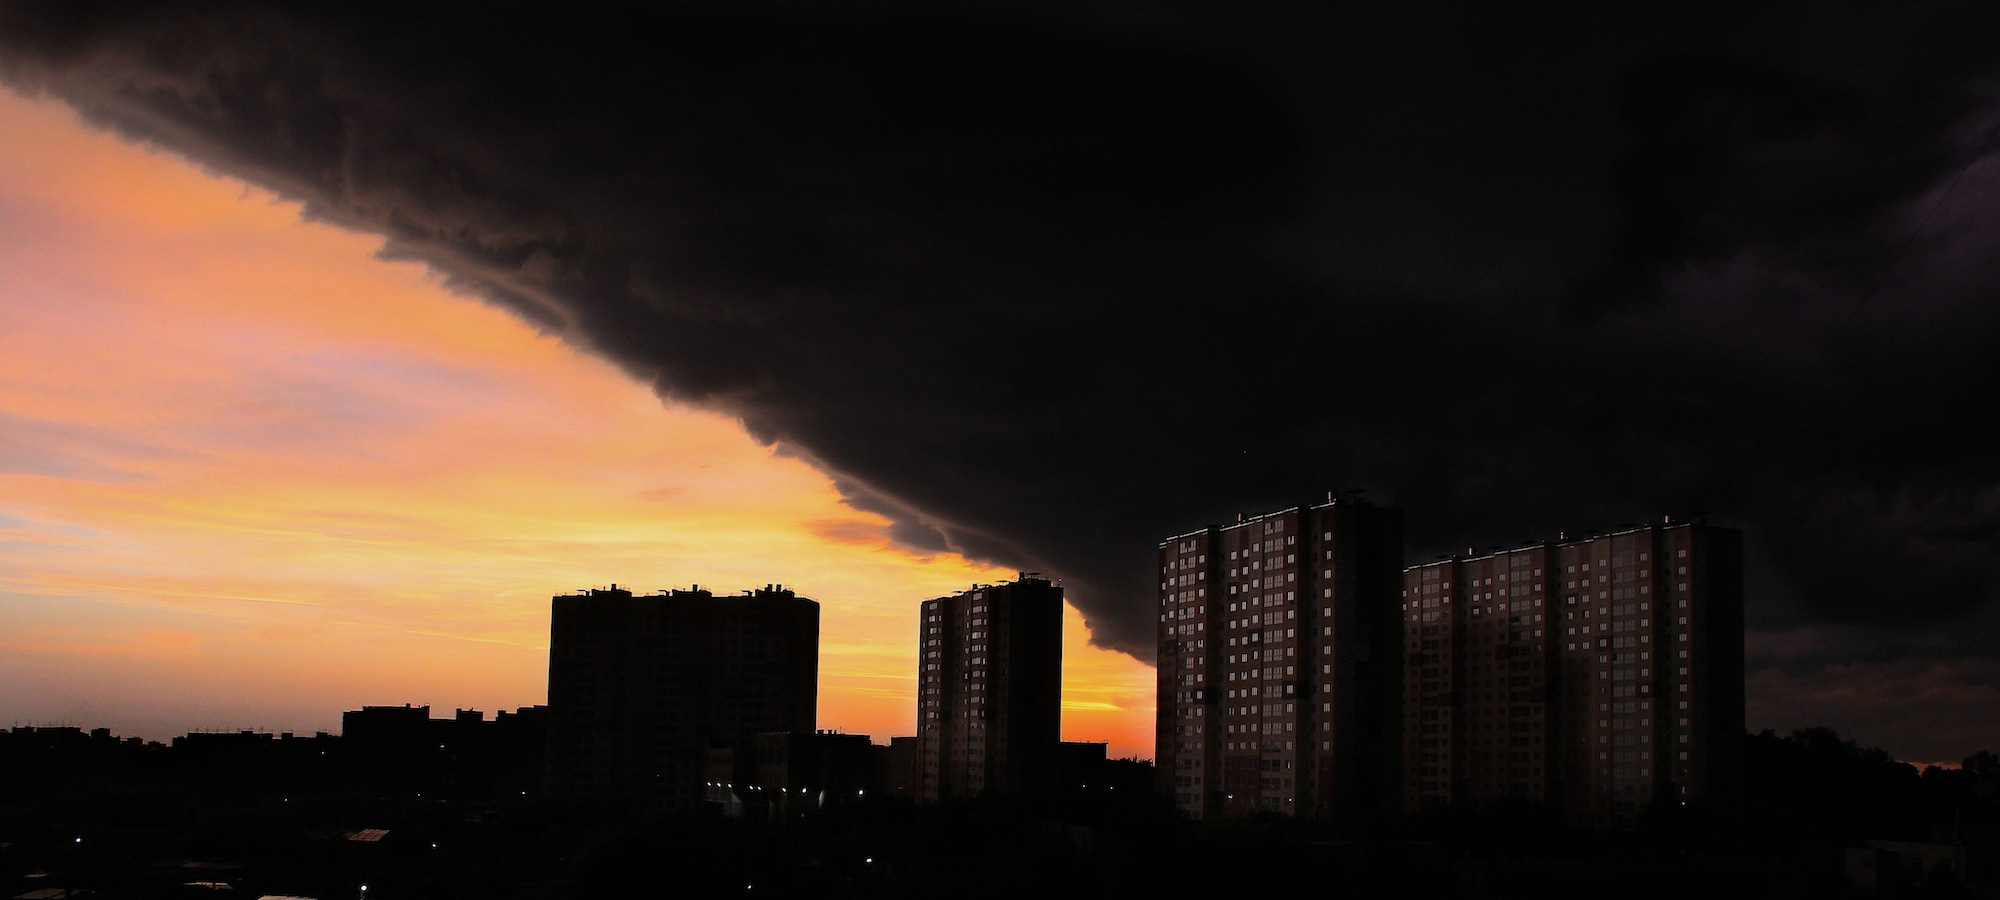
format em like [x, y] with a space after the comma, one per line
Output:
[252, 476]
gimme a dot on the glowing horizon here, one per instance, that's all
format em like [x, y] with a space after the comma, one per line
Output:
[252, 475]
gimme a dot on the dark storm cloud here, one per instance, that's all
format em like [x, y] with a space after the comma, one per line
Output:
[1047, 284]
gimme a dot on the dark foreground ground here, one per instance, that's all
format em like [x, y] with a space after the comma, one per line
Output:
[219, 834]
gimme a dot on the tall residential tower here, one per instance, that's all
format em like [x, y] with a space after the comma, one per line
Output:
[639, 687]
[1594, 676]
[989, 701]
[1280, 664]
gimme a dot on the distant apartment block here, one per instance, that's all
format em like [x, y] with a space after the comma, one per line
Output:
[901, 768]
[1280, 664]
[1593, 676]
[777, 775]
[401, 748]
[989, 702]
[641, 686]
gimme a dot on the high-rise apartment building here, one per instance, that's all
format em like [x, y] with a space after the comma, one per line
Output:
[989, 700]
[641, 686]
[1280, 664]
[1477, 679]
[1594, 676]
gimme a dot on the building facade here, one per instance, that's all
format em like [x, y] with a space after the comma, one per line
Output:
[641, 686]
[1477, 690]
[989, 692]
[1596, 677]
[1280, 664]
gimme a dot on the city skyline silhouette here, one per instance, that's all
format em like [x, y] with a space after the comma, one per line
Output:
[333, 343]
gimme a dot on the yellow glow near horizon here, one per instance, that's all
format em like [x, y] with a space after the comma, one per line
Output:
[250, 476]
